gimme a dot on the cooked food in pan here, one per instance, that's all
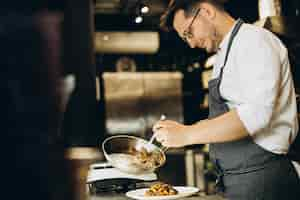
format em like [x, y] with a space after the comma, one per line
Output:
[148, 160]
[161, 189]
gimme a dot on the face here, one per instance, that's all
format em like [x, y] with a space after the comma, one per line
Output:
[197, 30]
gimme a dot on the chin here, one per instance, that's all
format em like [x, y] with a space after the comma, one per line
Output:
[209, 50]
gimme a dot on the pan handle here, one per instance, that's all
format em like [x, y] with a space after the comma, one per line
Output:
[162, 117]
[163, 148]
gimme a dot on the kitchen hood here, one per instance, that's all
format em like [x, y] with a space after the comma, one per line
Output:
[271, 17]
[283, 26]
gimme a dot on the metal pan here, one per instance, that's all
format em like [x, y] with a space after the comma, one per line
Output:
[133, 155]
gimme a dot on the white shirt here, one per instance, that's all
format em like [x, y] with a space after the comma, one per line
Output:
[257, 82]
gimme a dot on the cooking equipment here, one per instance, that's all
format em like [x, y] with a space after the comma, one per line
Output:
[133, 155]
[103, 177]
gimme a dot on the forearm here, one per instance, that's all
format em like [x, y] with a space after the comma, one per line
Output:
[225, 128]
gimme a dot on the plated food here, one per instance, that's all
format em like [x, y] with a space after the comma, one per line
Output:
[161, 189]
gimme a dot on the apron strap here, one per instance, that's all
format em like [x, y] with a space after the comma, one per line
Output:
[232, 36]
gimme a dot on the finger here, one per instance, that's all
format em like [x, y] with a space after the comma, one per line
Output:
[160, 136]
[157, 126]
[161, 123]
[165, 143]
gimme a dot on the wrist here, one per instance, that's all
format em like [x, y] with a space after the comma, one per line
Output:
[189, 135]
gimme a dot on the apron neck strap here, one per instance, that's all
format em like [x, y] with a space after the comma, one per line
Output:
[232, 36]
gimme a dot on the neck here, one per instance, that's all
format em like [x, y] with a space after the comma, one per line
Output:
[224, 24]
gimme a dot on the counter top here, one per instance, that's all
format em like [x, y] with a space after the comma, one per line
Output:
[116, 196]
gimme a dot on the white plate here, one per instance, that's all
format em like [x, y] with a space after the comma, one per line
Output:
[182, 192]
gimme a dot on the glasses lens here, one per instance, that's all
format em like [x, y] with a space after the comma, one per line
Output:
[187, 34]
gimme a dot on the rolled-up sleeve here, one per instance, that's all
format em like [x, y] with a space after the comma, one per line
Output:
[259, 77]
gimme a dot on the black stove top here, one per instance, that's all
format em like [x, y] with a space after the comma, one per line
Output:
[117, 185]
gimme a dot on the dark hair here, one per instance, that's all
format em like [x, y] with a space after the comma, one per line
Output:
[166, 20]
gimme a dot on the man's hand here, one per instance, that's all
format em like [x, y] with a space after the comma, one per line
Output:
[224, 128]
[170, 133]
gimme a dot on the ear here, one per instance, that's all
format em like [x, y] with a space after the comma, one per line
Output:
[208, 11]
[178, 20]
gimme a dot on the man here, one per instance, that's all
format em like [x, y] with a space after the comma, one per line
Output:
[252, 106]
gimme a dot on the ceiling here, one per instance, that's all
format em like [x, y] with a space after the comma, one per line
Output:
[121, 14]
[130, 7]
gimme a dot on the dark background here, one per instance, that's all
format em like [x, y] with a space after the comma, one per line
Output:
[34, 128]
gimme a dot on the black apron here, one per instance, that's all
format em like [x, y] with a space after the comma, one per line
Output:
[245, 170]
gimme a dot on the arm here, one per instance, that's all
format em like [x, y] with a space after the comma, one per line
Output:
[226, 127]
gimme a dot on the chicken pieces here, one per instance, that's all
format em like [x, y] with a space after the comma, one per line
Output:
[146, 160]
[161, 189]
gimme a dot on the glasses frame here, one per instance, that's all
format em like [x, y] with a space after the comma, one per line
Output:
[187, 34]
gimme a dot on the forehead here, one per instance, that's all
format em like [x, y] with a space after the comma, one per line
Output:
[179, 21]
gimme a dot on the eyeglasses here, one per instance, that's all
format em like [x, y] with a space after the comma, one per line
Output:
[187, 33]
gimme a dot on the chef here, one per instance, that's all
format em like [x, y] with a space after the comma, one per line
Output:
[252, 106]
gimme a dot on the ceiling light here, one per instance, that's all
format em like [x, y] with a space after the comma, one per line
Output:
[144, 9]
[139, 19]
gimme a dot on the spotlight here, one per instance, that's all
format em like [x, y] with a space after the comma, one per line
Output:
[139, 19]
[144, 9]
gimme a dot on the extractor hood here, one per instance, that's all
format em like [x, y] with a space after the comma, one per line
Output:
[271, 18]
[283, 26]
